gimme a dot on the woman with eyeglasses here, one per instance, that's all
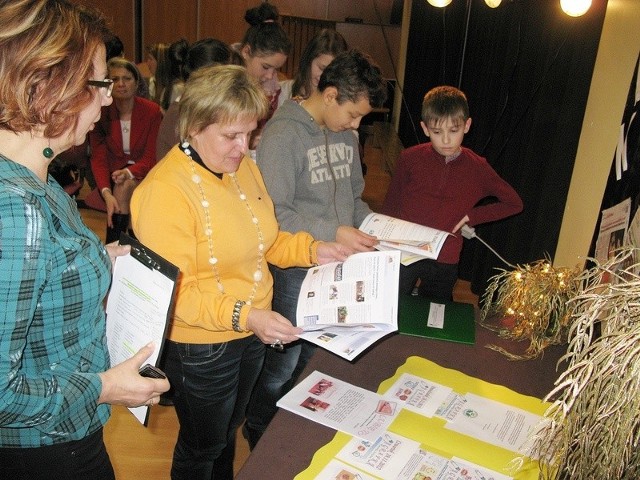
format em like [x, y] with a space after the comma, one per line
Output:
[123, 144]
[56, 383]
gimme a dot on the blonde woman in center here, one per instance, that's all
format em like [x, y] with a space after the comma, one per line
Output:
[205, 208]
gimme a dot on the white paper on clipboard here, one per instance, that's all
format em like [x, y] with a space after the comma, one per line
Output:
[138, 307]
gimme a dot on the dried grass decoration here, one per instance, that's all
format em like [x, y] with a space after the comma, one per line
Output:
[529, 303]
[592, 429]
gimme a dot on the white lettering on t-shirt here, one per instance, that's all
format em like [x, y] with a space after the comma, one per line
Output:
[341, 157]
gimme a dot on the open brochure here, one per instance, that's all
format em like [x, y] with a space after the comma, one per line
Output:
[347, 306]
[416, 242]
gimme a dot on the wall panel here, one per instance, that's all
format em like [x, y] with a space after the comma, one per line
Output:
[121, 20]
[166, 21]
[370, 11]
[303, 8]
[224, 20]
[383, 46]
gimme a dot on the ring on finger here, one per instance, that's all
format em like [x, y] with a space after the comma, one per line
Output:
[277, 345]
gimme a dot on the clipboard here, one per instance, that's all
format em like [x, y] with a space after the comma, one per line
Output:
[459, 319]
[139, 306]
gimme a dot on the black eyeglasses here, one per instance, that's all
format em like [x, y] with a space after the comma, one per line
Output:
[107, 84]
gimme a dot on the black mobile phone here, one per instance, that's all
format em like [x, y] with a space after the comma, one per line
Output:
[150, 371]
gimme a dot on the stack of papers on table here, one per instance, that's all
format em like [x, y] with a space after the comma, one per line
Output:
[442, 425]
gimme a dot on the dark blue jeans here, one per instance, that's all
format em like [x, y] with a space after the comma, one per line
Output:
[436, 279]
[212, 383]
[77, 460]
[281, 369]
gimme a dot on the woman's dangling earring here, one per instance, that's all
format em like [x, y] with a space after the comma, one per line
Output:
[47, 152]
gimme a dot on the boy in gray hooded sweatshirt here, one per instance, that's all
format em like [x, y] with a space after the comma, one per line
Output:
[315, 192]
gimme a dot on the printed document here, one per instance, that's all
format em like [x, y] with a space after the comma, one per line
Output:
[138, 306]
[340, 405]
[393, 456]
[416, 242]
[469, 436]
[496, 423]
[613, 226]
[347, 306]
[385, 457]
[418, 395]
[337, 470]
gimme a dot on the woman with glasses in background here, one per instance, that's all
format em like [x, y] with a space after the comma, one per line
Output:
[123, 144]
[55, 380]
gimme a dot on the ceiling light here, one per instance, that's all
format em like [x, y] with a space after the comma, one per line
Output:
[493, 3]
[439, 3]
[575, 8]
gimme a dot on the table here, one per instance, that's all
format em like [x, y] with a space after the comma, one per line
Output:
[288, 445]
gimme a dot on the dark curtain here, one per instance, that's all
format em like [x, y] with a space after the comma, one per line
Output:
[526, 69]
[629, 184]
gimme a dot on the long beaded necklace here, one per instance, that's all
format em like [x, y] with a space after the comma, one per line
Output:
[213, 260]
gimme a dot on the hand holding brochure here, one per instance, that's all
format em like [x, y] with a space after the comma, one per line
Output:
[414, 240]
[347, 306]
[138, 307]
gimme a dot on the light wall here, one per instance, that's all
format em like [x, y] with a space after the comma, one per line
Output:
[615, 62]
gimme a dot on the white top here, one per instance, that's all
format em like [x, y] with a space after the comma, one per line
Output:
[125, 126]
[286, 87]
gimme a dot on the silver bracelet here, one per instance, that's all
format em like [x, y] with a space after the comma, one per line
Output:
[235, 317]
